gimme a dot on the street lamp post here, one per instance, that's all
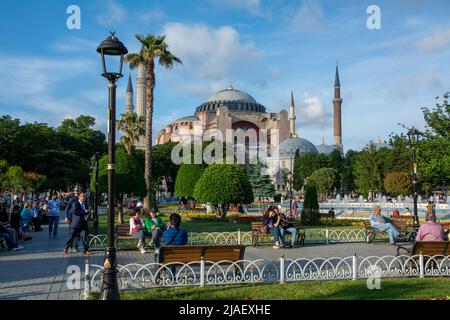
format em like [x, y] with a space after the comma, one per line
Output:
[109, 48]
[413, 136]
[95, 160]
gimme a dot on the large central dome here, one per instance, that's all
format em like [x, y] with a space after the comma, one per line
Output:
[234, 100]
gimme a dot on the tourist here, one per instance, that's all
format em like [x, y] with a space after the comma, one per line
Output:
[71, 200]
[16, 224]
[271, 222]
[173, 235]
[331, 213]
[36, 219]
[382, 223]
[431, 230]
[137, 229]
[395, 213]
[431, 207]
[53, 216]
[294, 209]
[286, 226]
[155, 227]
[26, 216]
[11, 239]
[78, 225]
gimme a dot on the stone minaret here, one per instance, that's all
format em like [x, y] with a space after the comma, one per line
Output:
[129, 106]
[292, 116]
[140, 91]
[337, 102]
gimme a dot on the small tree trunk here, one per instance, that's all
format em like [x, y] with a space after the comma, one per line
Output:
[120, 209]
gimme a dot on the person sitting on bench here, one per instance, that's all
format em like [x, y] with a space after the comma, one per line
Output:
[286, 226]
[154, 227]
[381, 223]
[137, 229]
[431, 230]
[271, 222]
[10, 237]
[173, 235]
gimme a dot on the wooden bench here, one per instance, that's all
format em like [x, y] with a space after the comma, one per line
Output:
[427, 248]
[256, 233]
[178, 255]
[123, 235]
[407, 232]
[371, 232]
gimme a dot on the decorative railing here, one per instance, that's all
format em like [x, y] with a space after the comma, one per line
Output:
[203, 273]
[313, 236]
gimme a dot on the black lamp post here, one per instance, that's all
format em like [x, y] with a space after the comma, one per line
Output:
[413, 136]
[95, 160]
[111, 47]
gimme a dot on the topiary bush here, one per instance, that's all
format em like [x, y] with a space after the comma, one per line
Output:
[223, 184]
[310, 212]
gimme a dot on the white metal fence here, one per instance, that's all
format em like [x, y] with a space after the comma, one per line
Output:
[313, 236]
[202, 273]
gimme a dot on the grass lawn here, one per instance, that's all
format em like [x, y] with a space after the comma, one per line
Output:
[391, 289]
[200, 225]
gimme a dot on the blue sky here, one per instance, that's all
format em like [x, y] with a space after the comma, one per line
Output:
[265, 48]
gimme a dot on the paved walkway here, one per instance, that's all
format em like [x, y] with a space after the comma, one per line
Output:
[40, 270]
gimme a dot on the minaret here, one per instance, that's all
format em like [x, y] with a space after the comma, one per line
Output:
[337, 102]
[292, 116]
[129, 107]
[140, 91]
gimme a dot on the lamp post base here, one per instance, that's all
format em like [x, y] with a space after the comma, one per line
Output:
[110, 285]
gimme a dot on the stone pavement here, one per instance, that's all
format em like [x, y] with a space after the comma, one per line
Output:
[40, 270]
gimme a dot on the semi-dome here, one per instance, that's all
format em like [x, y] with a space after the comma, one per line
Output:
[186, 119]
[289, 147]
[234, 100]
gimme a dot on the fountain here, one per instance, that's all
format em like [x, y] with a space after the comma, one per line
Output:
[338, 203]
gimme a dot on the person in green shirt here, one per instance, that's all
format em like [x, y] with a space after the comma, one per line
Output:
[155, 227]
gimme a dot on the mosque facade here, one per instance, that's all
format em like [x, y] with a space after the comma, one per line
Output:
[239, 111]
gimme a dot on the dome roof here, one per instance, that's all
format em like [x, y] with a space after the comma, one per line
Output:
[325, 149]
[187, 118]
[234, 100]
[231, 94]
[289, 147]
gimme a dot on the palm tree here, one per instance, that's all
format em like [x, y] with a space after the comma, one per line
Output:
[132, 126]
[152, 47]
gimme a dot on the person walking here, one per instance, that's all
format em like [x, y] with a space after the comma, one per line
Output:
[53, 216]
[78, 225]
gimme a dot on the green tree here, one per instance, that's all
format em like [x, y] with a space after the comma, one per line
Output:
[370, 169]
[223, 184]
[132, 126]
[164, 169]
[305, 165]
[325, 180]
[310, 212]
[397, 183]
[129, 178]
[187, 178]
[35, 181]
[260, 181]
[433, 151]
[348, 179]
[152, 47]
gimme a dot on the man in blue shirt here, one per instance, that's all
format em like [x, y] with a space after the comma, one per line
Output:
[53, 215]
[173, 235]
[381, 223]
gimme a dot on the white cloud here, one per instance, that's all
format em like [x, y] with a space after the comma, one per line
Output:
[309, 16]
[74, 45]
[311, 111]
[253, 7]
[112, 13]
[209, 53]
[437, 40]
[151, 15]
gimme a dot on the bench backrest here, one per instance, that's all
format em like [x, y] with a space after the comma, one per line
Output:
[367, 224]
[401, 224]
[123, 229]
[215, 253]
[257, 225]
[431, 248]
